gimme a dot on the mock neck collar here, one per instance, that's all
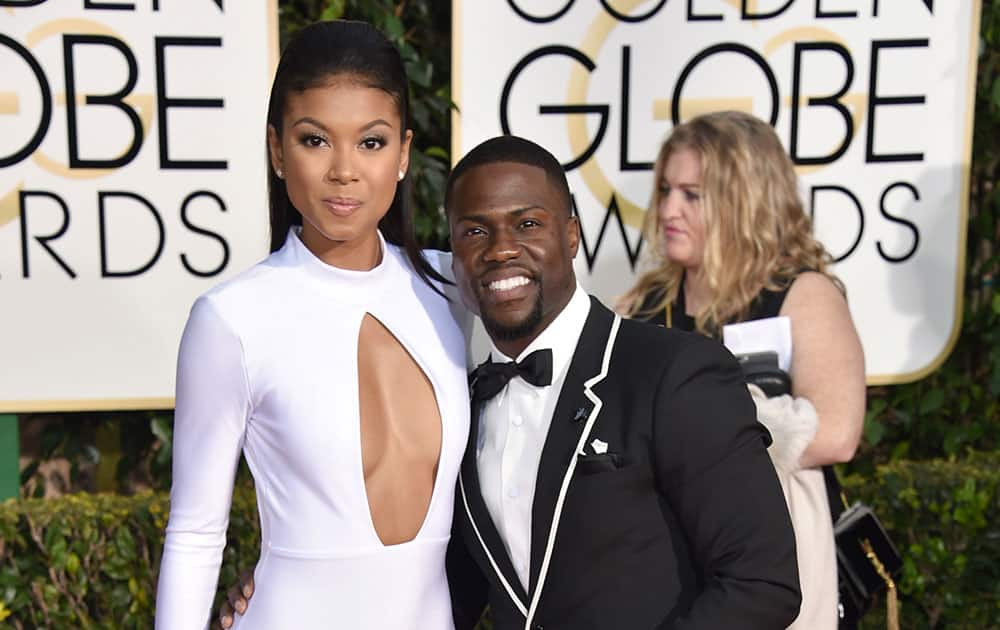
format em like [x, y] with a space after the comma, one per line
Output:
[352, 285]
[306, 256]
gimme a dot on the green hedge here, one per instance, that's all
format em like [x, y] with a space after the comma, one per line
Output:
[944, 517]
[91, 560]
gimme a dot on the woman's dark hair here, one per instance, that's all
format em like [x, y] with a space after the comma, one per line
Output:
[316, 53]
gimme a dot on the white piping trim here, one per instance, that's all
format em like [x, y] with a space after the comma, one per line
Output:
[598, 403]
[489, 556]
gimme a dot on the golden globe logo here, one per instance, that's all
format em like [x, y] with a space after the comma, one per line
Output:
[127, 114]
[872, 100]
[132, 177]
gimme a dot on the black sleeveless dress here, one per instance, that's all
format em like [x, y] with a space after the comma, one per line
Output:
[767, 304]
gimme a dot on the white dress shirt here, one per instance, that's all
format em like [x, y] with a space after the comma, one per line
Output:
[512, 430]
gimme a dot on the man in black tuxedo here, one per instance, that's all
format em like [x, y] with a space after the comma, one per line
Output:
[616, 476]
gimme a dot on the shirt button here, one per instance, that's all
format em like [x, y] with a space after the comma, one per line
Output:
[518, 421]
[512, 492]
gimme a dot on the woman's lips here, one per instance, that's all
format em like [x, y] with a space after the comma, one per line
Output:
[342, 206]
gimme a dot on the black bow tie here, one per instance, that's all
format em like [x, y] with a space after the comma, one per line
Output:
[489, 378]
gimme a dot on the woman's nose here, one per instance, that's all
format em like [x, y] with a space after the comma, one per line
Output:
[342, 169]
[669, 206]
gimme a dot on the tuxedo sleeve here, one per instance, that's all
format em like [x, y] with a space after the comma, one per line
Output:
[713, 469]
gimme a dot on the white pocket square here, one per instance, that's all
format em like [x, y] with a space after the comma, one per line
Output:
[600, 447]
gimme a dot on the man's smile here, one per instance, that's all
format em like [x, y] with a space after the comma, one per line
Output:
[508, 284]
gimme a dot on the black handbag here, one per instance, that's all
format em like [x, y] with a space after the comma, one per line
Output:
[761, 369]
[866, 558]
[867, 561]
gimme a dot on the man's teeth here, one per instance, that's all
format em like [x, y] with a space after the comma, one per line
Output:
[508, 283]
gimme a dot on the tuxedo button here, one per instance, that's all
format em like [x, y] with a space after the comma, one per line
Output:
[518, 421]
[512, 492]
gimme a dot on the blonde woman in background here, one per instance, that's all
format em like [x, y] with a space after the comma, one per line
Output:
[730, 242]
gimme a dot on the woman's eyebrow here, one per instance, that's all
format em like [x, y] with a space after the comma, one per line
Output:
[665, 182]
[309, 120]
[376, 123]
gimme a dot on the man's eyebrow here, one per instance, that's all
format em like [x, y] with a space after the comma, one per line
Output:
[483, 217]
[528, 209]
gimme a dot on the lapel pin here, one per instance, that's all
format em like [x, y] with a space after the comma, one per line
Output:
[581, 414]
[600, 447]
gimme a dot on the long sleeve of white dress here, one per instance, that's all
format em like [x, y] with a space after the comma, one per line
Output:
[213, 404]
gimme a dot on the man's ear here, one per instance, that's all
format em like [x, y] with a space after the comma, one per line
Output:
[573, 234]
[274, 150]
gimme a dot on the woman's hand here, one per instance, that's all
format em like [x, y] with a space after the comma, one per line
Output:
[828, 367]
[239, 598]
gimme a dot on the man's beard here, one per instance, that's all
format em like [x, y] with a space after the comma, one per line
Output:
[520, 330]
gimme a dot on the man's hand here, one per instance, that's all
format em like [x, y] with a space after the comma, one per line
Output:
[239, 598]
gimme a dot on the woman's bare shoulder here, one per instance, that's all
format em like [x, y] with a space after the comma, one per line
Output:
[814, 296]
[811, 286]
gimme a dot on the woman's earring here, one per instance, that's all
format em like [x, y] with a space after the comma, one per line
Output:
[402, 174]
[279, 173]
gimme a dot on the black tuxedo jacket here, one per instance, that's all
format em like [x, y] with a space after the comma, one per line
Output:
[681, 523]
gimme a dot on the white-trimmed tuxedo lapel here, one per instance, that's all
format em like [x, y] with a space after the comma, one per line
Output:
[482, 524]
[573, 420]
[576, 412]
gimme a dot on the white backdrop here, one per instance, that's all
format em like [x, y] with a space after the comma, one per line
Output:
[117, 212]
[878, 96]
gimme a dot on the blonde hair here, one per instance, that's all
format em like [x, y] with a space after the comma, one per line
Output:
[757, 234]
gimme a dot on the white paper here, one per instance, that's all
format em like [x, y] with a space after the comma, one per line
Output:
[761, 335]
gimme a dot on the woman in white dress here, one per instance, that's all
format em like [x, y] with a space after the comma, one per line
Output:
[336, 365]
